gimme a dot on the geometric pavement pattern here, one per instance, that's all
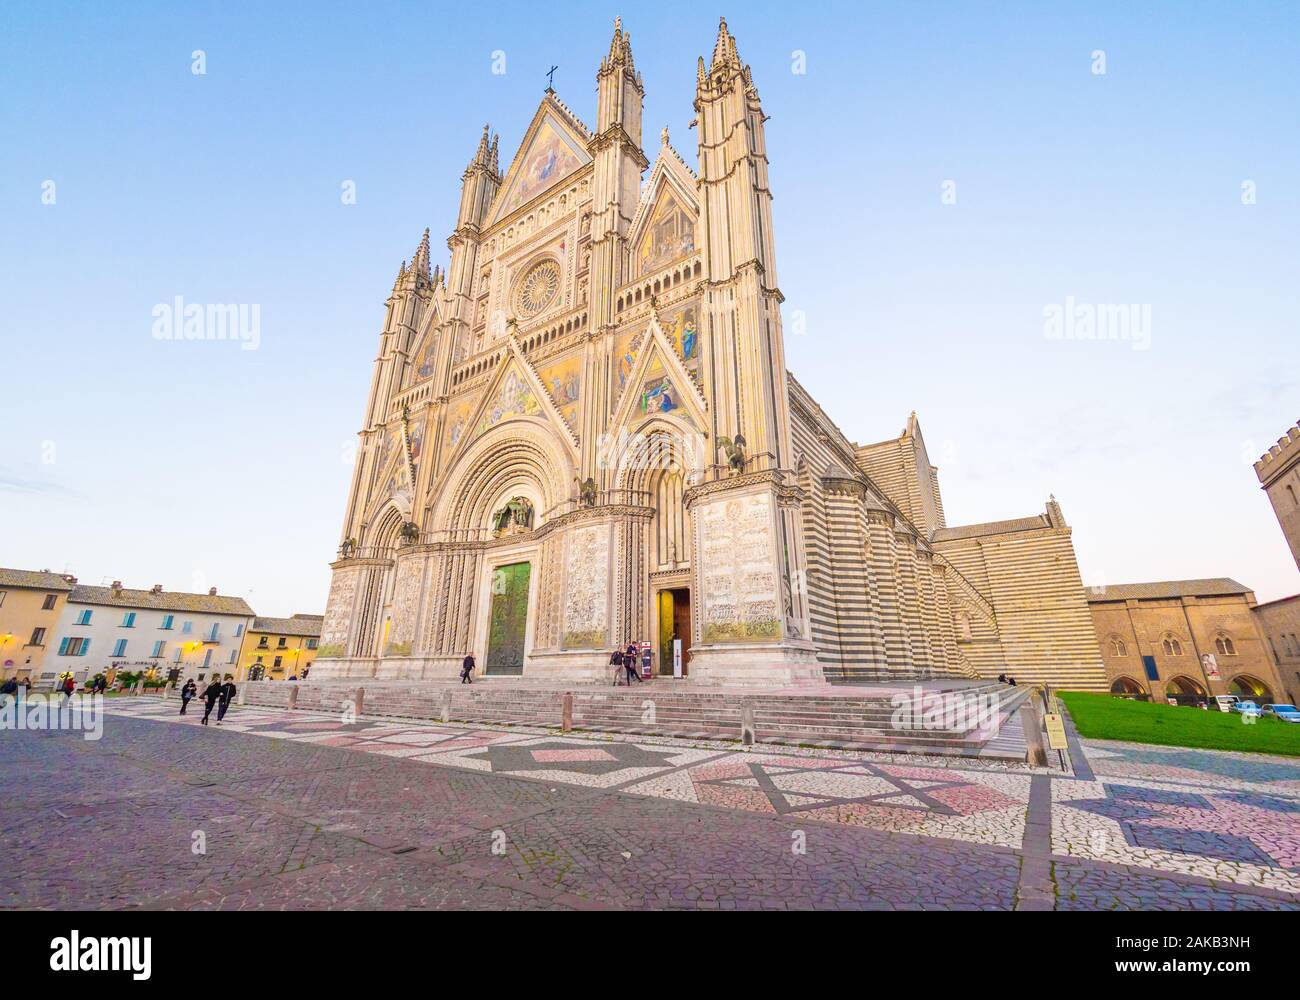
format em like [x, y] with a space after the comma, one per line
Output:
[305, 810]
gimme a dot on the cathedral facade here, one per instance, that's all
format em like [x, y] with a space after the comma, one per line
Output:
[583, 434]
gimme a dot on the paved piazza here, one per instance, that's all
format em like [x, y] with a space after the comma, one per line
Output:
[298, 810]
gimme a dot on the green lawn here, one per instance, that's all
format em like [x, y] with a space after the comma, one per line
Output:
[1099, 716]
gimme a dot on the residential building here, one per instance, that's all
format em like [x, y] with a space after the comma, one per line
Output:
[161, 633]
[277, 649]
[31, 602]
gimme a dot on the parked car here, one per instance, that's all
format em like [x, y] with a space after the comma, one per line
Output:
[1245, 707]
[1287, 713]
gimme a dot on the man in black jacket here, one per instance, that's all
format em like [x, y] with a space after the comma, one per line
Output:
[228, 691]
[210, 695]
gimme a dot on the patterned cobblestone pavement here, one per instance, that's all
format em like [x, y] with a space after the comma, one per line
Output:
[294, 810]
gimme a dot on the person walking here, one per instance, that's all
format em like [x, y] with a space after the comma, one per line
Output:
[467, 668]
[187, 693]
[210, 695]
[69, 686]
[616, 661]
[228, 691]
[629, 664]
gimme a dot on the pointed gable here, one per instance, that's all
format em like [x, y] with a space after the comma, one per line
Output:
[517, 392]
[658, 384]
[553, 148]
[664, 226]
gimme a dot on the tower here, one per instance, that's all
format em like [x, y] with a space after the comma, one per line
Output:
[748, 540]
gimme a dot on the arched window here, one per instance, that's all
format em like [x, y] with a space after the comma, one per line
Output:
[1172, 646]
[1224, 646]
[1117, 647]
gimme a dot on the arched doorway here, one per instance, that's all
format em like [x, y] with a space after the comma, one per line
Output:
[1185, 691]
[1250, 689]
[659, 463]
[1126, 687]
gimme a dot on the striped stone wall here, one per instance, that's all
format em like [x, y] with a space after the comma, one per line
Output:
[1044, 631]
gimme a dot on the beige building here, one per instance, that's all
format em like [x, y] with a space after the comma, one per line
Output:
[162, 634]
[1185, 639]
[31, 602]
[583, 433]
[279, 648]
[1280, 623]
[1278, 470]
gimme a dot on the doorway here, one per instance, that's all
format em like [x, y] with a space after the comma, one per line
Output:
[674, 623]
[508, 622]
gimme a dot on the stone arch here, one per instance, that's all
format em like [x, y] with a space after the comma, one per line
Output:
[1250, 688]
[1185, 690]
[664, 441]
[385, 524]
[1127, 687]
[522, 457]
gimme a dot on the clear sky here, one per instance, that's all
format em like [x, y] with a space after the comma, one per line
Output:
[197, 464]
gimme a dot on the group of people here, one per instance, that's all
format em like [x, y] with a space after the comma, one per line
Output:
[9, 689]
[219, 693]
[1004, 679]
[624, 662]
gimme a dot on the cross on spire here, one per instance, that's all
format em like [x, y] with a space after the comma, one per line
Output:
[550, 80]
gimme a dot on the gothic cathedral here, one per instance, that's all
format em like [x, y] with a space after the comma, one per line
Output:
[583, 434]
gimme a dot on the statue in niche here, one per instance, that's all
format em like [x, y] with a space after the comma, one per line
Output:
[348, 547]
[515, 517]
[410, 532]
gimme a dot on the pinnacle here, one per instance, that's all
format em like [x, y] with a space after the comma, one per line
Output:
[724, 50]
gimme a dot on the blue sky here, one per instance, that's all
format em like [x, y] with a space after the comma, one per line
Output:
[200, 464]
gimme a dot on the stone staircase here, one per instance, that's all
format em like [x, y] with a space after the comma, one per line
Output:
[860, 718]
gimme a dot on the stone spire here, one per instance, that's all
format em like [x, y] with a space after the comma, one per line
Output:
[620, 50]
[725, 54]
[483, 155]
[420, 263]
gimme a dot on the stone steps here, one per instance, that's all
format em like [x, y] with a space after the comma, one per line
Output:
[859, 721]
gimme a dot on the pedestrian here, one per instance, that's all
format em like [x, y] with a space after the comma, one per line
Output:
[9, 690]
[629, 664]
[467, 668]
[228, 691]
[27, 687]
[1002, 678]
[616, 661]
[187, 693]
[210, 695]
[1011, 681]
[69, 686]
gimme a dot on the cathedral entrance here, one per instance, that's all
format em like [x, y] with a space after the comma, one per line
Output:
[508, 622]
[674, 623]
